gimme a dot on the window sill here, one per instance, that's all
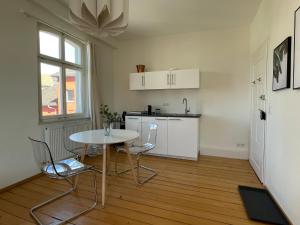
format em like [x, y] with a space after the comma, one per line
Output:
[63, 120]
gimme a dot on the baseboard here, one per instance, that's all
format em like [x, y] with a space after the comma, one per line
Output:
[226, 153]
[273, 197]
[20, 182]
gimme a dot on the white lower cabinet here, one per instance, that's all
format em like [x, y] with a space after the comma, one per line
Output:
[183, 137]
[176, 136]
[162, 136]
[134, 123]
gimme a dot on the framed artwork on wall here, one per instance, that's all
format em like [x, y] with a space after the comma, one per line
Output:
[296, 83]
[282, 65]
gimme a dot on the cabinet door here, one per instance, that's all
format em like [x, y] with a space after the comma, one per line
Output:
[157, 80]
[134, 123]
[183, 136]
[136, 81]
[185, 79]
[145, 123]
[162, 134]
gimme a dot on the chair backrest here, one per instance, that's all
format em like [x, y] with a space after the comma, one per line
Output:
[42, 153]
[149, 133]
[67, 131]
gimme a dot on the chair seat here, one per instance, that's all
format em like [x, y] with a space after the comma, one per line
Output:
[65, 167]
[135, 149]
[92, 150]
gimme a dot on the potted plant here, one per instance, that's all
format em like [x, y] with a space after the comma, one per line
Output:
[108, 118]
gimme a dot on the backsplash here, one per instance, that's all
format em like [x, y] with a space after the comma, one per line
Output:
[168, 101]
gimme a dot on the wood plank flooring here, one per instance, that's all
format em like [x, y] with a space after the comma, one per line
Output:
[183, 192]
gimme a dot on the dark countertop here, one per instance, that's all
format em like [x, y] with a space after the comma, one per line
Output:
[189, 115]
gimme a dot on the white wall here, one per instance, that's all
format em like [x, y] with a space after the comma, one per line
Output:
[223, 99]
[274, 20]
[19, 86]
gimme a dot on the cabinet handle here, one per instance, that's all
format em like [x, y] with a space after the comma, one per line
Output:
[174, 78]
[143, 81]
[168, 77]
[175, 119]
[160, 119]
[132, 118]
[171, 78]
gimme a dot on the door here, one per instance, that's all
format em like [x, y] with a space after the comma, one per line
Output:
[185, 79]
[183, 137]
[137, 81]
[134, 123]
[258, 112]
[157, 80]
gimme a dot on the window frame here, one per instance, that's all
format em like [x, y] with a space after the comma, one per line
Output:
[63, 64]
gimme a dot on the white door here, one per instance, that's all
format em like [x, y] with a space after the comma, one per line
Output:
[137, 81]
[185, 79]
[183, 137]
[157, 80]
[134, 123]
[258, 113]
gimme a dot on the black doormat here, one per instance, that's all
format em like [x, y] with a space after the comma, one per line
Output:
[260, 206]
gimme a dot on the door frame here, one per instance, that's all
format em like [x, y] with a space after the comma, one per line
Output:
[261, 52]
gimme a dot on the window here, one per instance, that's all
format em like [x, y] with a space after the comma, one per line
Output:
[62, 70]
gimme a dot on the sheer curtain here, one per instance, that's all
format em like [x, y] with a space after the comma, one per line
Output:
[94, 87]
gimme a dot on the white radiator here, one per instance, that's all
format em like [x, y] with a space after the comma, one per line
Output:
[57, 137]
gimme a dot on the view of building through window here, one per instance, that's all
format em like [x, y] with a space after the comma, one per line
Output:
[58, 76]
[51, 90]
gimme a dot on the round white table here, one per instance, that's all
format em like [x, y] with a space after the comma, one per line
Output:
[97, 137]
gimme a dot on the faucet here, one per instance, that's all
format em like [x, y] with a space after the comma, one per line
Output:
[187, 110]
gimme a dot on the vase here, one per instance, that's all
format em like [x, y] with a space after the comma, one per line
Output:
[107, 128]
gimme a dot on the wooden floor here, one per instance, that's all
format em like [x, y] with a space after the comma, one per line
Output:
[184, 192]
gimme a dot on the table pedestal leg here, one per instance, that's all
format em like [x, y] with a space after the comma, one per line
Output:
[103, 175]
[84, 152]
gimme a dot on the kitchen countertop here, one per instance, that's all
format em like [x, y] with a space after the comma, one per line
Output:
[189, 115]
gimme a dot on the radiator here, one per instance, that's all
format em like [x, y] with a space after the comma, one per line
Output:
[57, 137]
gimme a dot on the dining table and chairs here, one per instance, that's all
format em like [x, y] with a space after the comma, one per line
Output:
[98, 137]
[68, 169]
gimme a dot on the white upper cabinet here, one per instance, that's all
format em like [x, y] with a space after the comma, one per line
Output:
[137, 81]
[181, 79]
[175, 79]
[157, 80]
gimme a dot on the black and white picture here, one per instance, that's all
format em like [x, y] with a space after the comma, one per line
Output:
[297, 50]
[282, 65]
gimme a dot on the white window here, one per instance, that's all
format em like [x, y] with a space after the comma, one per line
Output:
[63, 76]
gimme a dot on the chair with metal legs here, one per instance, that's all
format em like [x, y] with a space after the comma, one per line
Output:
[76, 148]
[65, 169]
[149, 143]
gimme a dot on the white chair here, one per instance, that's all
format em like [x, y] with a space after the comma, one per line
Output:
[62, 169]
[139, 150]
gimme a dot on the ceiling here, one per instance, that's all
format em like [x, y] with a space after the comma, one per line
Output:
[148, 18]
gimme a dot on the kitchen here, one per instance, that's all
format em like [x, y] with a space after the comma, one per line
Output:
[172, 126]
[199, 73]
